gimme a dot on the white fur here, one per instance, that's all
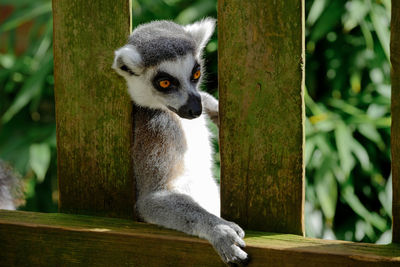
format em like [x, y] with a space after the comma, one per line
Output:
[180, 68]
[187, 201]
[197, 180]
[131, 58]
[7, 203]
[201, 32]
[143, 93]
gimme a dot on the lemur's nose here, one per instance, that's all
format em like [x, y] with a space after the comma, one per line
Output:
[193, 108]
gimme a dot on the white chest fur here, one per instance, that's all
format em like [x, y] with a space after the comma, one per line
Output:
[197, 180]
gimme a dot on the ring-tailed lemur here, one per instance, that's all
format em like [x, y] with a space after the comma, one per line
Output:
[162, 64]
[11, 195]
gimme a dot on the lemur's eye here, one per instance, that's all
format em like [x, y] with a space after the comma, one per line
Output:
[196, 75]
[164, 83]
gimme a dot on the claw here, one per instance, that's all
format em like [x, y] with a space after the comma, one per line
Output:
[240, 262]
[227, 241]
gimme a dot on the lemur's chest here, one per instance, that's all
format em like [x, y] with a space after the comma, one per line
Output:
[197, 180]
[198, 153]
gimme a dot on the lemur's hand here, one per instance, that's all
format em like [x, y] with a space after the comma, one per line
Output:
[227, 239]
[210, 106]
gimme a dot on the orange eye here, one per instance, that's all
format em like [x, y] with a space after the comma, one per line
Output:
[196, 75]
[165, 83]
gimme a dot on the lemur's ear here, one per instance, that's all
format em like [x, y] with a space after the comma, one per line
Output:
[127, 61]
[201, 32]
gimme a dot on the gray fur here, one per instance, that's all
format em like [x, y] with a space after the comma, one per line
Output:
[210, 105]
[161, 40]
[158, 149]
[161, 142]
[158, 152]
[11, 195]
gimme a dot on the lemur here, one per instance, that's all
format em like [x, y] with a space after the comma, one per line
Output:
[163, 67]
[11, 189]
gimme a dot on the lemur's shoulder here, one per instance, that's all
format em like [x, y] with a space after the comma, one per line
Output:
[158, 150]
[210, 105]
[154, 124]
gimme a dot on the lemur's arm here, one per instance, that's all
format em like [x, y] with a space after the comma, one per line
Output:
[181, 212]
[210, 105]
[158, 156]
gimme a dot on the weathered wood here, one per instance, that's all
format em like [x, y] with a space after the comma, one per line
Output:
[63, 240]
[395, 136]
[261, 76]
[93, 110]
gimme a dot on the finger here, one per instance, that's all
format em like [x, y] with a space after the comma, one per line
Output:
[239, 242]
[239, 253]
[238, 230]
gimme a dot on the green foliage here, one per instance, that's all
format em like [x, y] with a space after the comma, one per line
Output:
[348, 120]
[348, 187]
[27, 127]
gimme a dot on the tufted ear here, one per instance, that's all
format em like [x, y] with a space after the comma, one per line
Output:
[127, 61]
[201, 32]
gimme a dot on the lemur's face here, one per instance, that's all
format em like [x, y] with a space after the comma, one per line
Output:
[172, 85]
[162, 66]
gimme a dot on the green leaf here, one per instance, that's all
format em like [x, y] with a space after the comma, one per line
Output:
[326, 188]
[369, 40]
[31, 88]
[343, 139]
[377, 111]
[385, 197]
[316, 10]
[310, 147]
[354, 202]
[361, 154]
[381, 25]
[198, 10]
[385, 122]
[364, 228]
[345, 107]
[355, 82]
[356, 11]
[369, 131]
[40, 155]
[328, 20]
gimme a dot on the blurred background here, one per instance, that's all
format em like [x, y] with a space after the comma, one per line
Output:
[348, 188]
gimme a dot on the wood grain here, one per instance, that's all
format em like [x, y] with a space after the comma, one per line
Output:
[93, 110]
[261, 76]
[395, 136]
[39, 239]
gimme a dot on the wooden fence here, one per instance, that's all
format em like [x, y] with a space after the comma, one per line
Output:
[261, 55]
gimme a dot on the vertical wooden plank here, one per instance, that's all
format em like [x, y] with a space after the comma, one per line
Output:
[261, 76]
[395, 136]
[93, 110]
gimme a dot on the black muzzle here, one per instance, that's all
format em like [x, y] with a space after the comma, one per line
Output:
[192, 109]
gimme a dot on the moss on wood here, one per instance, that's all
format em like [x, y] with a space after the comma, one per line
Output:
[93, 110]
[39, 239]
[261, 76]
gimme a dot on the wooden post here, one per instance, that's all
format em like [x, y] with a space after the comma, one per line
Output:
[395, 137]
[93, 110]
[261, 76]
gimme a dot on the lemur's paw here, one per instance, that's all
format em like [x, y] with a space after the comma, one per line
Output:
[237, 228]
[227, 241]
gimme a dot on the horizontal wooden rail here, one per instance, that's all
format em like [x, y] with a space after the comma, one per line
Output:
[62, 239]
